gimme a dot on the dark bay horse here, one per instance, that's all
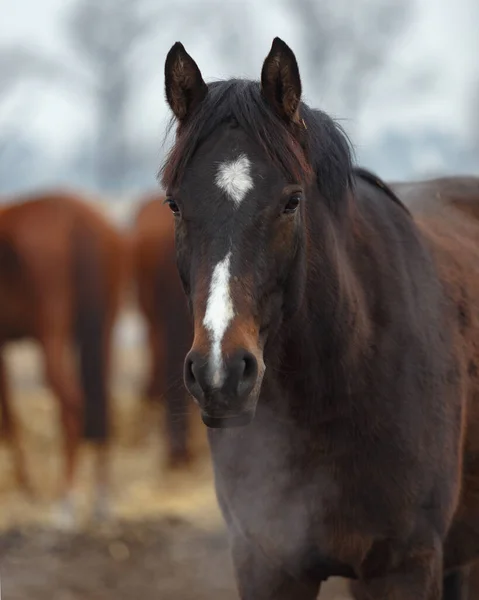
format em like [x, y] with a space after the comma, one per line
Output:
[61, 276]
[335, 352]
[163, 305]
[443, 196]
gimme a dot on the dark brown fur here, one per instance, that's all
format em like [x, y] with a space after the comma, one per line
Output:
[450, 199]
[343, 412]
[61, 272]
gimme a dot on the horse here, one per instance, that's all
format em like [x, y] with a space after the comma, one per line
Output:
[60, 284]
[444, 195]
[440, 194]
[335, 351]
[163, 305]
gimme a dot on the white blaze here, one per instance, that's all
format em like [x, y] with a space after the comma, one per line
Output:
[219, 314]
[234, 178]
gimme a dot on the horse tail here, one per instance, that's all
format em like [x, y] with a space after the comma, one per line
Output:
[91, 331]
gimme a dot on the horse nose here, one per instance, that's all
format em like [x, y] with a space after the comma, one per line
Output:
[241, 374]
[223, 388]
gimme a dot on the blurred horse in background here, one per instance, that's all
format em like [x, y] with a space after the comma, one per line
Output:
[61, 273]
[162, 303]
[441, 193]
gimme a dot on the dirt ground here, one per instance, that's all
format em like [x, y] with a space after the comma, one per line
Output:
[165, 539]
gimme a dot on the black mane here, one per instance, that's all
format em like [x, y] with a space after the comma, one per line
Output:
[373, 179]
[328, 154]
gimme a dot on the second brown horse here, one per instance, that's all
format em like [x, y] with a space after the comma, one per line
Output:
[163, 305]
[60, 280]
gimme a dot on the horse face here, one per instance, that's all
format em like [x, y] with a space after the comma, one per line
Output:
[239, 235]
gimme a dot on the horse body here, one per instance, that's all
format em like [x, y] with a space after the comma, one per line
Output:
[348, 479]
[340, 329]
[440, 195]
[61, 276]
[163, 304]
[447, 213]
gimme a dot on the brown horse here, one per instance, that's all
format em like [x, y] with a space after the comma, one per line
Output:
[336, 346]
[443, 196]
[163, 305]
[60, 282]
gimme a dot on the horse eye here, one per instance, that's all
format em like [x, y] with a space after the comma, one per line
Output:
[292, 203]
[173, 206]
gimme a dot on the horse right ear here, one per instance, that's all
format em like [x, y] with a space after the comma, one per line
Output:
[280, 81]
[184, 85]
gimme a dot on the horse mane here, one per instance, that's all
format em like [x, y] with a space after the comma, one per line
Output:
[378, 182]
[328, 154]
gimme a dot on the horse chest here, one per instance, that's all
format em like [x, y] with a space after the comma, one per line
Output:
[317, 515]
[299, 518]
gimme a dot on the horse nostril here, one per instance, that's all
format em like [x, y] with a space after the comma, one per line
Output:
[239, 376]
[251, 366]
[248, 374]
[190, 376]
[189, 373]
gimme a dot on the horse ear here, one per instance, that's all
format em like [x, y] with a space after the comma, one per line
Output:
[280, 81]
[184, 85]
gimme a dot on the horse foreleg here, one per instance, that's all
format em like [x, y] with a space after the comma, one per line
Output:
[261, 579]
[61, 375]
[456, 584]
[9, 432]
[155, 387]
[418, 574]
[177, 427]
[101, 503]
[168, 387]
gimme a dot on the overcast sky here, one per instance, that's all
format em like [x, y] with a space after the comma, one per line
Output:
[443, 37]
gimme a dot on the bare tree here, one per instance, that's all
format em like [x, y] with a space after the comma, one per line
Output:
[15, 147]
[346, 43]
[18, 63]
[106, 35]
[111, 41]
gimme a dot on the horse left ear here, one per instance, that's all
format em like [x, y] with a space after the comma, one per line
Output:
[280, 81]
[184, 85]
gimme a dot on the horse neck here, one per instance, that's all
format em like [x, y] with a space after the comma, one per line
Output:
[326, 343]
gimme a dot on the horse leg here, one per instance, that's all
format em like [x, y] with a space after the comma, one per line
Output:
[461, 549]
[455, 584]
[9, 431]
[61, 375]
[418, 576]
[258, 579]
[101, 502]
[177, 424]
[167, 385]
[155, 386]
[177, 400]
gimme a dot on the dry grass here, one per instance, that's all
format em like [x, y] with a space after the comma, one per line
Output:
[41, 563]
[140, 487]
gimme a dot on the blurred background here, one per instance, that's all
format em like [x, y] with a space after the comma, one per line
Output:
[81, 81]
[82, 107]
